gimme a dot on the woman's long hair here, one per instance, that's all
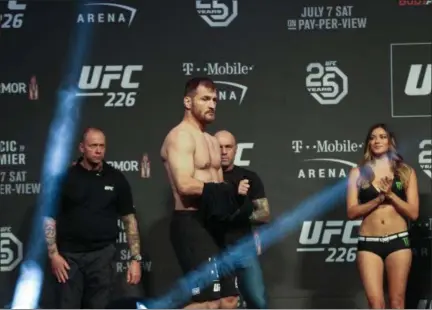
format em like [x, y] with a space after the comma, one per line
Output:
[398, 166]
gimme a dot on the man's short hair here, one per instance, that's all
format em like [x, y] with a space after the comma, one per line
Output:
[87, 130]
[192, 85]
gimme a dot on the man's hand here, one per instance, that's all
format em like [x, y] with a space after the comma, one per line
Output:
[243, 187]
[134, 272]
[59, 267]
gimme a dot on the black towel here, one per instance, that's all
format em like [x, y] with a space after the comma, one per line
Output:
[218, 201]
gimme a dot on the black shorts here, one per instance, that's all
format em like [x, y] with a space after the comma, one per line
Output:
[385, 245]
[194, 246]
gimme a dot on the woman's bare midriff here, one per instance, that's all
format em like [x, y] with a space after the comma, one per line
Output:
[190, 203]
[385, 220]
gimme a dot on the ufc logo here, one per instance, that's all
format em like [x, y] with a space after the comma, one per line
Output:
[13, 5]
[238, 160]
[323, 232]
[215, 13]
[419, 81]
[101, 77]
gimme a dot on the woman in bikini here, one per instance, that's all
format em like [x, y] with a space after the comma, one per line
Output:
[383, 191]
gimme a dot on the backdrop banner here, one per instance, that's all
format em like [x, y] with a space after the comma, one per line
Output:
[299, 84]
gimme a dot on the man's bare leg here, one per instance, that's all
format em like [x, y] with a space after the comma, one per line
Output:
[204, 305]
[229, 302]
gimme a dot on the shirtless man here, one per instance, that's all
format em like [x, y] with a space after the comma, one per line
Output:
[193, 163]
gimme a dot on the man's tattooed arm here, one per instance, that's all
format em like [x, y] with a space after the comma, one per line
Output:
[132, 233]
[261, 214]
[50, 235]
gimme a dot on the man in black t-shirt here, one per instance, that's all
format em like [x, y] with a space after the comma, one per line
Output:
[254, 211]
[81, 233]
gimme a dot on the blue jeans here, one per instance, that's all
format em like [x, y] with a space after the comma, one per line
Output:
[251, 284]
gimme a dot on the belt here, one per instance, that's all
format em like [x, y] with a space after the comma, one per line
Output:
[383, 239]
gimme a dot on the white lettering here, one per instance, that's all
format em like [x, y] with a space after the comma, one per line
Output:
[20, 189]
[238, 161]
[102, 76]
[8, 146]
[230, 94]
[313, 12]
[120, 267]
[27, 188]
[13, 88]
[415, 84]
[125, 166]
[5, 189]
[17, 176]
[11, 159]
[425, 157]
[322, 173]
[323, 232]
[345, 146]
[13, 5]
[227, 69]
[345, 10]
[102, 18]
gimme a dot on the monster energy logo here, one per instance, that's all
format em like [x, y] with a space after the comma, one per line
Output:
[398, 185]
[406, 241]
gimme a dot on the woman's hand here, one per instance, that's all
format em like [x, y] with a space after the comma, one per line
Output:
[385, 185]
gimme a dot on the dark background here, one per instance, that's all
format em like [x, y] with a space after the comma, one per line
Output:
[276, 110]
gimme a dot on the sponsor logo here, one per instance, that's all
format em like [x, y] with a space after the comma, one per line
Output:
[11, 250]
[411, 79]
[109, 13]
[425, 157]
[232, 92]
[338, 239]
[322, 166]
[228, 91]
[327, 18]
[238, 159]
[143, 166]
[217, 68]
[97, 81]
[217, 13]
[14, 17]
[125, 165]
[31, 88]
[326, 83]
[415, 3]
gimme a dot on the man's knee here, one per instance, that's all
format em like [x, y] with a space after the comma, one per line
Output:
[215, 304]
[229, 302]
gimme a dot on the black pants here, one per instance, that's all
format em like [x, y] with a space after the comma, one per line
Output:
[194, 245]
[90, 280]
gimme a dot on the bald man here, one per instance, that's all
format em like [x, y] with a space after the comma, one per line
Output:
[249, 279]
[81, 235]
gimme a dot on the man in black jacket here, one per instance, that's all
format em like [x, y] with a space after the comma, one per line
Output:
[82, 232]
[250, 279]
